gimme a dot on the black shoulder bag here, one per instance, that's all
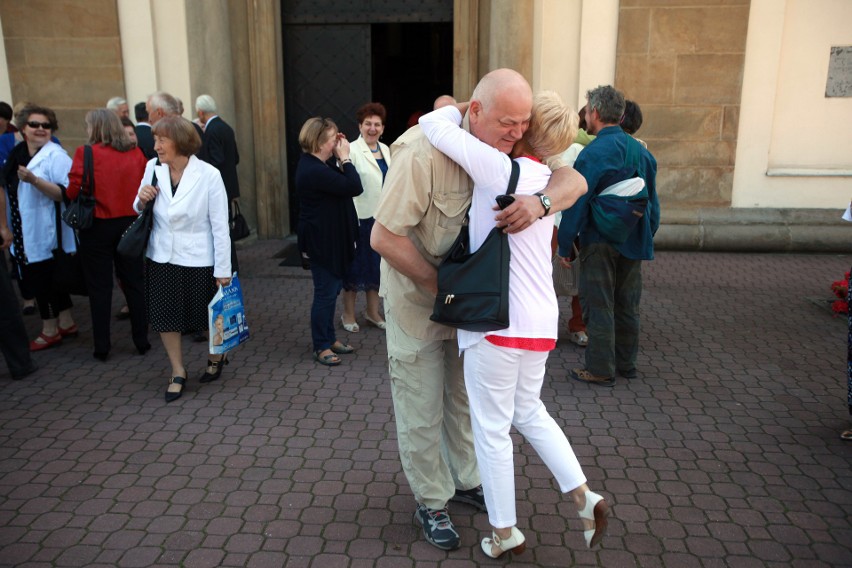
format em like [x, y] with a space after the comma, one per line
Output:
[134, 240]
[80, 213]
[239, 226]
[473, 288]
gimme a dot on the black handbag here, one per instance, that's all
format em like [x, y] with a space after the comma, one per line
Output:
[239, 226]
[473, 288]
[80, 213]
[134, 240]
[67, 267]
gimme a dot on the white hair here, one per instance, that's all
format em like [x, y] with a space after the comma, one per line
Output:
[163, 101]
[115, 102]
[205, 103]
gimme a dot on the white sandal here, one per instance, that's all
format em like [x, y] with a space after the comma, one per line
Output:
[515, 544]
[579, 337]
[596, 510]
[377, 323]
[350, 327]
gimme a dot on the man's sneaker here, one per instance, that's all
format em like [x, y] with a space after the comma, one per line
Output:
[474, 497]
[437, 527]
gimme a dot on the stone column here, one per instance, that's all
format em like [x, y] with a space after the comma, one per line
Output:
[465, 47]
[217, 36]
[506, 36]
[267, 103]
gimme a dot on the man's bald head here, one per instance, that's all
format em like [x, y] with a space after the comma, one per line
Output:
[442, 101]
[500, 108]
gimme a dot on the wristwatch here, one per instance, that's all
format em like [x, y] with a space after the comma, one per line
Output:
[545, 202]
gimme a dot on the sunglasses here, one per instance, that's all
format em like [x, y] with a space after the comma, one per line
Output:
[45, 125]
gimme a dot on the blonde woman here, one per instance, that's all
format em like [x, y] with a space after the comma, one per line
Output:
[504, 369]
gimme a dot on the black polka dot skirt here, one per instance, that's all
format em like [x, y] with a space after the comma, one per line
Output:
[177, 296]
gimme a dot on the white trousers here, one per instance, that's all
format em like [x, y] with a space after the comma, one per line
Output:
[504, 389]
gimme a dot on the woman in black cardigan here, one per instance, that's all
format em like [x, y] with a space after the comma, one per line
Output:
[328, 226]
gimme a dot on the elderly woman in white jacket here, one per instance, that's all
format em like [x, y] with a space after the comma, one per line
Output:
[371, 159]
[189, 252]
[34, 177]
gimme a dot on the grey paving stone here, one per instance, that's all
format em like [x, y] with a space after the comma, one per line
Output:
[724, 452]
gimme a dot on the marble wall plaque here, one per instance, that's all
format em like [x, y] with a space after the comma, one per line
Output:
[839, 83]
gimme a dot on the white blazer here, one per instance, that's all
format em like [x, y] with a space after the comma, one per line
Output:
[371, 176]
[38, 211]
[191, 227]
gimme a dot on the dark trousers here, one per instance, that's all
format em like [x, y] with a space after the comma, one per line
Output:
[610, 292]
[25, 288]
[98, 256]
[51, 300]
[13, 335]
[327, 286]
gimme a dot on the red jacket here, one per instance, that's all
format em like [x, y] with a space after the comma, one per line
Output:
[117, 178]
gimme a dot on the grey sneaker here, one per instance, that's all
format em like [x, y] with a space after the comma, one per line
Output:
[473, 497]
[437, 527]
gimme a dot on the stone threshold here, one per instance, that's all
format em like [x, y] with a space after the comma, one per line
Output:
[753, 230]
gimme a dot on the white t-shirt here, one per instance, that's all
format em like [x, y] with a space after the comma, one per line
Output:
[533, 308]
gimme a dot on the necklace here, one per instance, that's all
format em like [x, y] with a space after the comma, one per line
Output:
[377, 150]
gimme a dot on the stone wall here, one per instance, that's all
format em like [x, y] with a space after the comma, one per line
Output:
[66, 55]
[682, 61]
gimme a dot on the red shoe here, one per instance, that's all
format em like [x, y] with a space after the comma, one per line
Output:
[68, 331]
[49, 341]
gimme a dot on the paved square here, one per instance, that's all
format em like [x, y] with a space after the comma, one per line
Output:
[723, 453]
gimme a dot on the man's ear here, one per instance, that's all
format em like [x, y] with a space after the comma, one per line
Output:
[474, 111]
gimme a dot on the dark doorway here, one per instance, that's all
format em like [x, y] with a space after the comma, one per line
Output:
[336, 61]
[412, 66]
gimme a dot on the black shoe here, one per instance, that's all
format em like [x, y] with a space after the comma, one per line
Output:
[171, 396]
[437, 527]
[143, 348]
[629, 373]
[101, 355]
[473, 497]
[217, 369]
[26, 372]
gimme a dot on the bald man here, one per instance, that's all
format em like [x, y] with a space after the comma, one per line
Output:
[442, 101]
[419, 215]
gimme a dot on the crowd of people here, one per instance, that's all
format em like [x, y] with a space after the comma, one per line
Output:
[373, 219]
[123, 168]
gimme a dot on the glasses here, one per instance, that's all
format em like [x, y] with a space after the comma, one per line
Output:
[45, 125]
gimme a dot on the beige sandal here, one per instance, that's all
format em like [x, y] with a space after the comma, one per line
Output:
[596, 510]
[515, 544]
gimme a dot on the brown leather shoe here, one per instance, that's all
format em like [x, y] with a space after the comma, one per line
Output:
[585, 376]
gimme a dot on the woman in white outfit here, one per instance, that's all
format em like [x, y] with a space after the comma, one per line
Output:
[371, 159]
[504, 369]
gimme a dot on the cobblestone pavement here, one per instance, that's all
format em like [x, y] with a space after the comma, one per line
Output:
[723, 453]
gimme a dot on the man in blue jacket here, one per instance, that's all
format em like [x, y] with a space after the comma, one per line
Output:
[611, 274]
